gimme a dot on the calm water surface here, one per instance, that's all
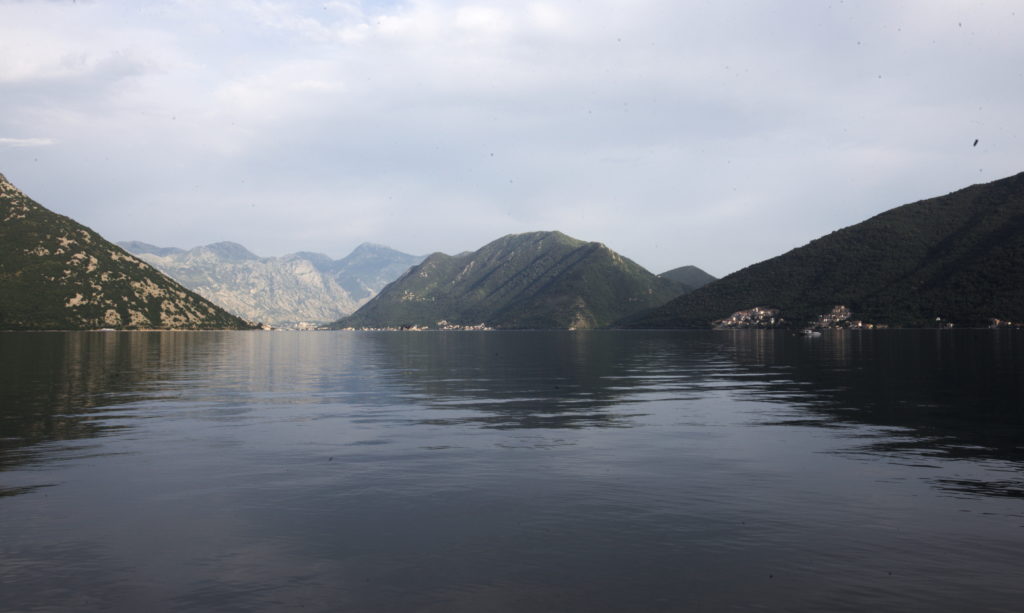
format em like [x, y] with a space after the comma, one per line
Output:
[528, 471]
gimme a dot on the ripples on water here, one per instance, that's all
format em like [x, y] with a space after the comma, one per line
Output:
[534, 471]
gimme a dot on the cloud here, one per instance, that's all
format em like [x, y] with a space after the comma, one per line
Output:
[26, 142]
[675, 132]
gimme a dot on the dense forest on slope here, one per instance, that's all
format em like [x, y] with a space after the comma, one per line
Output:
[57, 274]
[533, 280]
[958, 257]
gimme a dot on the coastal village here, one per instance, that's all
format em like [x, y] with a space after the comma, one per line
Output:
[1002, 323]
[840, 317]
[757, 317]
[443, 325]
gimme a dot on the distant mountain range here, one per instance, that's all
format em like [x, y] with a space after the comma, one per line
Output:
[533, 280]
[690, 276]
[56, 274]
[281, 291]
[958, 257]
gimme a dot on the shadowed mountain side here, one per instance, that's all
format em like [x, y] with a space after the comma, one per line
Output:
[959, 257]
[57, 274]
[532, 280]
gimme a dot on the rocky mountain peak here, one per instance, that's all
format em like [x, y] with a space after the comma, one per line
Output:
[282, 291]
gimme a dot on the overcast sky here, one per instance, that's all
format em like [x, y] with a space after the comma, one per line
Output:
[709, 133]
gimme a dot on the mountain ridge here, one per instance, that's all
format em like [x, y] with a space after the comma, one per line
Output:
[957, 257]
[56, 274]
[283, 291]
[529, 280]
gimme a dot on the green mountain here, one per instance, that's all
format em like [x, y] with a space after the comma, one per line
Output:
[534, 280]
[56, 274]
[690, 276]
[959, 257]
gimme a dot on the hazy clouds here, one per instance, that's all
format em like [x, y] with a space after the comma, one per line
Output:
[714, 133]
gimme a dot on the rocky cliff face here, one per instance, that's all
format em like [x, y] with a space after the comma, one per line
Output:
[282, 291]
[57, 274]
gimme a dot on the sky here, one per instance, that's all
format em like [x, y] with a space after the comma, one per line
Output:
[717, 133]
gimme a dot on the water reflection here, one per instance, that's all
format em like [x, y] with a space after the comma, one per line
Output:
[948, 395]
[67, 387]
[922, 394]
[533, 379]
[953, 394]
[506, 472]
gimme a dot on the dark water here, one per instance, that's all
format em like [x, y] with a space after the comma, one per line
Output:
[535, 471]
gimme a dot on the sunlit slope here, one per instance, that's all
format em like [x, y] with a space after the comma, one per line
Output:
[57, 274]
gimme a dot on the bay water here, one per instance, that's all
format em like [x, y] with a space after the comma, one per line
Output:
[512, 471]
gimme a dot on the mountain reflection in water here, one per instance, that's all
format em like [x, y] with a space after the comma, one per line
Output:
[949, 394]
[955, 394]
[505, 471]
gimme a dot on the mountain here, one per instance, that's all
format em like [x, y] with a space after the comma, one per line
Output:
[365, 271]
[958, 257]
[533, 280]
[282, 291]
[56, 274]
[690, 276]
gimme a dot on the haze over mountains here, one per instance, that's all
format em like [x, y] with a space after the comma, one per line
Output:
[282, 291]
[958, 257]
[532, 280]
[690, 276]
[56, 274]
